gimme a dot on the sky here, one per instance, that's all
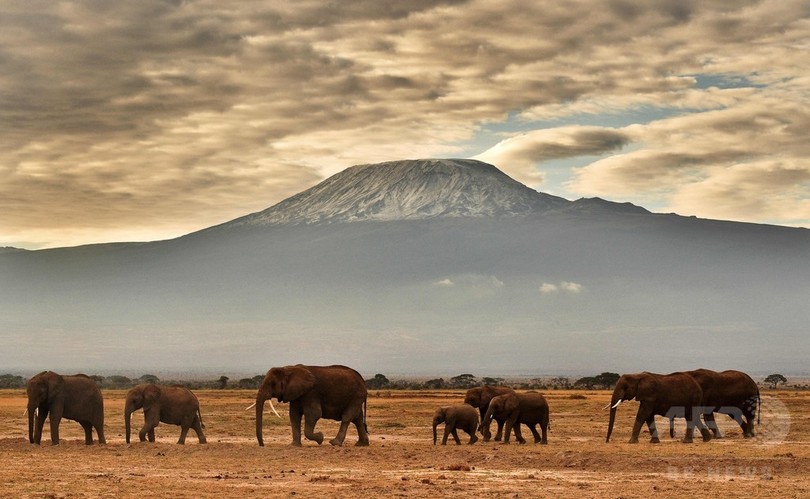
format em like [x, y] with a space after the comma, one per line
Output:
[134, 121]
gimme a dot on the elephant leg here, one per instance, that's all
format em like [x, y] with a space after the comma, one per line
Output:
[310, 419]
[344, 427]
[692, 415]
[544, 429]
[644, 412]
[362, 431]
[150, 421]
[518, 434]
[499, 433]
[507, 434]
[40, 424]
[454, 432]
[295, 424]
[99, 426]
[711, 424]
[653, 430]
[88, 432]
[533, 428]
[183, 433]
[56, 418]
[198, 430]
[473, 437]
[446, 433]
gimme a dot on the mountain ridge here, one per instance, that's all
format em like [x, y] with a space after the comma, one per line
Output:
[410, 190]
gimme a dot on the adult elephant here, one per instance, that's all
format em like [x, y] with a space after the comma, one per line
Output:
[174, 405]
[314, 392]
[515, 409]
[669, 395]
[456, 417]
[71, 397]
[480, 397]
[728, 392]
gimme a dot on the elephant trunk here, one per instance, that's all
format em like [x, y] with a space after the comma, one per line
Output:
[32, 410]
[615, 400]
[485, 422]
[435, 424]
[127, 421]
[610, 423]
[259, 414]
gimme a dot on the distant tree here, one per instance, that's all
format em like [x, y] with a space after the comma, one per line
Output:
[435, 384]
[248, 383]
[560, 382]
[117, 381]
[223, 382]
[377, 382]
[258, 379]
[607, 380]
[775, 379]
[463, 381]
[492, 381]
[149, 378]
[98, 379]
[588, 383]
[11, 381]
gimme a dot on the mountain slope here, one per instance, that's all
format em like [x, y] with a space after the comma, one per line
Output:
[408, 190]
[434, 267]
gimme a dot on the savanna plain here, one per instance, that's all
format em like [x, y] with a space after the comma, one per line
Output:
[402, 460]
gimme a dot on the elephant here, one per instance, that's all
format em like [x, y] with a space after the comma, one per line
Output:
[73, 397]
[529, 408]
[456, 417]
[314, 392]
[729, 392]
[669, 395]
[164, 404]
[479, 397]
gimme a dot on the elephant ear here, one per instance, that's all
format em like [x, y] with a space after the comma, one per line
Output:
[646, 385]
[510, 403]
[55, 383]
[298, 381]
[151, 394]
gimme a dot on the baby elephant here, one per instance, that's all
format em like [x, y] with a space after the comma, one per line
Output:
[529, 408]
[455, 417]
[164, 404]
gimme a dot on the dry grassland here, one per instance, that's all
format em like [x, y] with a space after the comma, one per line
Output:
[401, 461]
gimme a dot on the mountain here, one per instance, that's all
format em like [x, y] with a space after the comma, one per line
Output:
[425, 266]
[416, 190]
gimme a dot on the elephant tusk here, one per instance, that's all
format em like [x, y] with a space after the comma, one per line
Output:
[606, 407]
[616, 404]
[251, 406]
[274, 409]
[26, 412]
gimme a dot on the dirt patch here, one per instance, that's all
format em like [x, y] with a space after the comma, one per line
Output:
[402, 461]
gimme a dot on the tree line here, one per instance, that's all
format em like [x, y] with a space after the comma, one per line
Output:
[603, 381]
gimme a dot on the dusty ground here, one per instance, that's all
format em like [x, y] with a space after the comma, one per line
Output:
[402, 460]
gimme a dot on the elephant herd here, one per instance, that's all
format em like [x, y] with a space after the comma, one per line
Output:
[339, 393]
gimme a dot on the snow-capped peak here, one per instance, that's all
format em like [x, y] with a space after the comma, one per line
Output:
[408, 190]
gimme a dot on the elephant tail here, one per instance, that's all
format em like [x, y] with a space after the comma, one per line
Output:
[199, 415]
[364, 415]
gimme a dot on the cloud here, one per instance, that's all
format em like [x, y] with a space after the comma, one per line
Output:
[175, 115]
[519, 155]
[746, 161]
[561, 287]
